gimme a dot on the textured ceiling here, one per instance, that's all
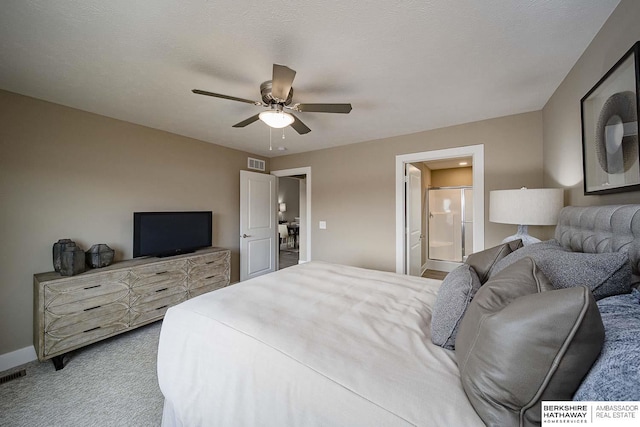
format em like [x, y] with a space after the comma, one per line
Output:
[406, 66]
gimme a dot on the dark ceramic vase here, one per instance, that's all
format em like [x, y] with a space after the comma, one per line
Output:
[58, 249]
[72, 261]
[99, 255]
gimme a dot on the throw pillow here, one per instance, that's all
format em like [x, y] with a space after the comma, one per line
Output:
[522, 342]
[606, 274]
[534, 251]
[483, 261]
[616, 374]
[455, 294]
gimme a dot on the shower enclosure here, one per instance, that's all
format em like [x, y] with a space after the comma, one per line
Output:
[450, 223]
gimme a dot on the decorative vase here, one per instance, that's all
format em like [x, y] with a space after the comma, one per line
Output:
[72, 261]
[58, 249]
[99, 255]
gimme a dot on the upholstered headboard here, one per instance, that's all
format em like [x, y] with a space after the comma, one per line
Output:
[600, 229]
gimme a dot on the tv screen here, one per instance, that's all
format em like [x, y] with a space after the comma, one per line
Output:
[170, 233]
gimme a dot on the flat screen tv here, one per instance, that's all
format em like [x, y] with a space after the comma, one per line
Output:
[170, 233]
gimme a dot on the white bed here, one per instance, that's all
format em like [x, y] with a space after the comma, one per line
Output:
[329, 345]
[312, 345]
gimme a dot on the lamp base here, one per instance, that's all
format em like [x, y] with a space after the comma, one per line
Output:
[523, 235]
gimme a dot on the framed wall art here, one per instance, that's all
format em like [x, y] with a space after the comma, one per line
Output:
[610, 152]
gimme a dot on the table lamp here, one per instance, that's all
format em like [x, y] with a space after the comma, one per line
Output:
[524, 207]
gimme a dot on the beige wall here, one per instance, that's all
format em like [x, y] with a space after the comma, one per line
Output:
[65, 173]
[454, 177]
[353, 187]
[561, 114]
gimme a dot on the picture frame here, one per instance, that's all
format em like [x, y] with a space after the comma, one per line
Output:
[609, 116]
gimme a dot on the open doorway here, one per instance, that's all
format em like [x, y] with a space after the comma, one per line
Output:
[289, 220]
[460, 234]
[294, 216]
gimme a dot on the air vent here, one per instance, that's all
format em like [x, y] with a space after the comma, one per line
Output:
[255, 164]
[13, 376]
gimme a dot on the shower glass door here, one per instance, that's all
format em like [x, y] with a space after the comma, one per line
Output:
[450, 226]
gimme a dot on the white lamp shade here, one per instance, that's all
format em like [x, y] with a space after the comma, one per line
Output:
[276, 119]
[283, 207]
[536, 206]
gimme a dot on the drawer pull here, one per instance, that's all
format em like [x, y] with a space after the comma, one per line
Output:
[92, 308]
[160, 308]
[163, 289]
[92, 329]
[210, 277]
[162, 272]
[94, 286]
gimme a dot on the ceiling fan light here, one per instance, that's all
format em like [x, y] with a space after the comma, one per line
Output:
[276, 119]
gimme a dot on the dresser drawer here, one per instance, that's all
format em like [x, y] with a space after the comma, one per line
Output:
[211, 271]
[219, 257]
[213, 281]
[154, 292]
[80, 293]
[73, 335]
[88, 318]
[168, 273]
[144, 312]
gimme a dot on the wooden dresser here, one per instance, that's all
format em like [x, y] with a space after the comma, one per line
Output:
[71, 312]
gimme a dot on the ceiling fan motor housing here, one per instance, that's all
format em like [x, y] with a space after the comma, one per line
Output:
[267, 96]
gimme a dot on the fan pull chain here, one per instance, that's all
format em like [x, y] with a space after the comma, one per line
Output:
[270, 145]
[282, 133]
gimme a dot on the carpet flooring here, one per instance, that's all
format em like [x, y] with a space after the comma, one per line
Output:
[110, 383]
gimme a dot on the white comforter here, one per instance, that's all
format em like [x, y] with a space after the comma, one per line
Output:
[312, 345]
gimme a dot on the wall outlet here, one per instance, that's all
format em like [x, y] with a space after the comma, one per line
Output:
[323, 225]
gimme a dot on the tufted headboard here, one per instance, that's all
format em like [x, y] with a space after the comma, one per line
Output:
[600, 229]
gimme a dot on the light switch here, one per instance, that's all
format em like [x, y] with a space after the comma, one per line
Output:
[323, 225]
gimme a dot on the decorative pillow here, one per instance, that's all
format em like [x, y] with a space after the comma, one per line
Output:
[455, 294]
[521, 343]
[616, 373]
[534, 251]
[606, 274]
[483, 261]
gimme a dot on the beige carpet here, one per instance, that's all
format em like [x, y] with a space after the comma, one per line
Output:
[111, 383]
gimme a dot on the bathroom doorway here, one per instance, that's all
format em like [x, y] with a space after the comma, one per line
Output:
[430, 162]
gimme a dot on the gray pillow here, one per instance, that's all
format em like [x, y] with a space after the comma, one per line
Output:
[483, 261]
[606, 274]
[535, 250]
[616, 374]
[455, 294]
[522, 342]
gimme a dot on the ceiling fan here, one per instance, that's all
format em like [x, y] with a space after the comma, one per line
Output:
[277, 95]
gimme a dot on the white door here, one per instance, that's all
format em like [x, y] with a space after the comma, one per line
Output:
[414, 220]
[258, 231]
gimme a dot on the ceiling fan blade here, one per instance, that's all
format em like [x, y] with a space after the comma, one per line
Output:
[324, 108]
[247, 121]
[299, 127]
[231, 98]
[281, 82]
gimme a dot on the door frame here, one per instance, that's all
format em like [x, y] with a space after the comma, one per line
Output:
[301, 171]
[476, 152]
[411, 210]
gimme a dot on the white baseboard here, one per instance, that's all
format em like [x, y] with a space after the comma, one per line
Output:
[17, 358]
